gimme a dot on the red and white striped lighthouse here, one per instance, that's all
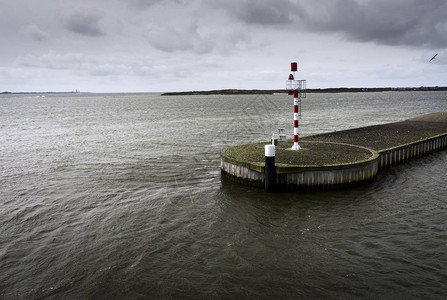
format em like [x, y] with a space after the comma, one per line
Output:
[296, 88]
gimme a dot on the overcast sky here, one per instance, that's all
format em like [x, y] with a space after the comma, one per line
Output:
[177, 45]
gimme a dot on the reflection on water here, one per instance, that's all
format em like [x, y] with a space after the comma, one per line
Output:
[111, 196]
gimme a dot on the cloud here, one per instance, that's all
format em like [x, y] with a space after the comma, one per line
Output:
[35, 33]
[176, 38]
[84, 24]
[265, 12]
[144, 4]
[208, 44]
[52, 60]
[108, 69]
[187, 26]
[418, 23]
[82, 64]
[399, 22]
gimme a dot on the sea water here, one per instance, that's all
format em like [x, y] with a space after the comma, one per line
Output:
[121, 196]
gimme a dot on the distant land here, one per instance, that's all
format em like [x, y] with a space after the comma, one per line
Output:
[326, 90]
[38, 93]
[266, 92]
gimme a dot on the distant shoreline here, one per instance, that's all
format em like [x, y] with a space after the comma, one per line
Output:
[326, 90]
[256, 91]
[36, 93]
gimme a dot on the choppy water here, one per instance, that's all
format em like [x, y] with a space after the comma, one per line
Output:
[113, 196]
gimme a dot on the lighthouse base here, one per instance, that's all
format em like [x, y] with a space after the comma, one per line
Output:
[296, 146]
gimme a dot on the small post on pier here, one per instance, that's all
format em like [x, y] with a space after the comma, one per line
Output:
[269, 169]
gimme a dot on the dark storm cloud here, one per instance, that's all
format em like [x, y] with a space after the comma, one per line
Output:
[397, 22]
[84, 24]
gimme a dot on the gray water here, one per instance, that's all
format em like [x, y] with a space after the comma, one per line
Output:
[121, 196]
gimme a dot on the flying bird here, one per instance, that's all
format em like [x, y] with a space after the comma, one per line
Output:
[433, 57]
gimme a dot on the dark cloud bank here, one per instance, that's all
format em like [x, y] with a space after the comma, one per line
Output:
[420, 23]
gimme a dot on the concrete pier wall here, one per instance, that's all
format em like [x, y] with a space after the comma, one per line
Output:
[253, 176]
[330, 178]
[334, 176]
[326, 177]
[405, 153]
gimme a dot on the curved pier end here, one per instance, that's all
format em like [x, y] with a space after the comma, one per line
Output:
[339, 159]
[318, 165]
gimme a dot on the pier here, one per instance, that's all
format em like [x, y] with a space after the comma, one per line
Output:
[338, 159]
